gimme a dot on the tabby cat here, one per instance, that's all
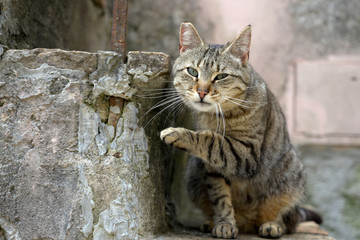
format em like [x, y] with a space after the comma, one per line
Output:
[244, 173]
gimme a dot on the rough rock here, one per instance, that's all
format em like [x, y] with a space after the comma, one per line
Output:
[65, 173]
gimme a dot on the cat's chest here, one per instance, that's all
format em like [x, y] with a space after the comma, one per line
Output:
[219, 124]
[210, 122]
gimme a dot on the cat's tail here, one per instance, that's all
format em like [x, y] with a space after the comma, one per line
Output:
[300, 214]
[306, 213]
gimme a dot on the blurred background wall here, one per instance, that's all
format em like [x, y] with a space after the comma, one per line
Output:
[307, 50]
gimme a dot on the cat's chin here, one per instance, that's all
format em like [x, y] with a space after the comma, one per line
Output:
[202, 106]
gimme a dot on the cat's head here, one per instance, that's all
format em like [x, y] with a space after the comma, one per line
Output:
[206, 75]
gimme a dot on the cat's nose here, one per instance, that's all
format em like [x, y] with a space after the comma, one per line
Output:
[202, 93]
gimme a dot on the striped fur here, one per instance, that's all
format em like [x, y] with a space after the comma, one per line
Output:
[244, 173]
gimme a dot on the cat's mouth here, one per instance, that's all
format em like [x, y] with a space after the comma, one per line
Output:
[202, 106]
[202, 103]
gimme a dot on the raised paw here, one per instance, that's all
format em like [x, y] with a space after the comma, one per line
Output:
[173, 137]
[270, 230]
[225, 230]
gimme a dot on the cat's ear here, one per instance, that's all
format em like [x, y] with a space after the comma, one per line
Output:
[189, 38]
[240, 47]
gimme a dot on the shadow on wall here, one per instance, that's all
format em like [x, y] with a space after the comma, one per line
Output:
[73, 25]
[157, 28]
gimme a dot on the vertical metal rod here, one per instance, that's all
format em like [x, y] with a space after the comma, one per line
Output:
[118, 44]
[119, 27]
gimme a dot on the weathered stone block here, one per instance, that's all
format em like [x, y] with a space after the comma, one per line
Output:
[65, 172]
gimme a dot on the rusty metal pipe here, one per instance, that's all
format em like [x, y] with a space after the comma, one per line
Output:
[119, 27]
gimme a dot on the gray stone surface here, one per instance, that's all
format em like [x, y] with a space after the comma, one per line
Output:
[65, 173]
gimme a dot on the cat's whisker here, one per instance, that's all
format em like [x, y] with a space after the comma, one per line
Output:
[157, 92]
[171, 99]
[244, 101]
[158, 89]
[161, 94]
[179, 111]
[256, 87]
[168, 106]
[223, 120]
[175, 109]
[162, 103]
[237, 103]
[217, 118]
[157, 95]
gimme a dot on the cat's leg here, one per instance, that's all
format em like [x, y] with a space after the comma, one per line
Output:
[211, 193]
[183, 139]
[274, 213]
[291, 219]
[287, 222]
[279, 213]
[197, 191]
[220, 196]
[226, 154]
[273, 227]
[271, 230]
[284, 224]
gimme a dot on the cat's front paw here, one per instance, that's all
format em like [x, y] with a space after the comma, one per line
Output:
[173, 137]
[270, 230]
[225, 230]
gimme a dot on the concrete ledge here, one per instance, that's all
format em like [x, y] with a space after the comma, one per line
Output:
[305, 231]
[298, 236]
[197, 236]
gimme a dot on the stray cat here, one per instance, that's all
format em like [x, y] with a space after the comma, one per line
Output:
[244, 173]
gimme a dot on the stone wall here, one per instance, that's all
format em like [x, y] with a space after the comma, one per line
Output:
[75, 162]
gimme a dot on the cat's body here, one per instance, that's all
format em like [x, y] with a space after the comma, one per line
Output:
[244, 173]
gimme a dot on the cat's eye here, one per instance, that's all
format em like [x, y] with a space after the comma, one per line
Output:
[192, 72]
[220, 76]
